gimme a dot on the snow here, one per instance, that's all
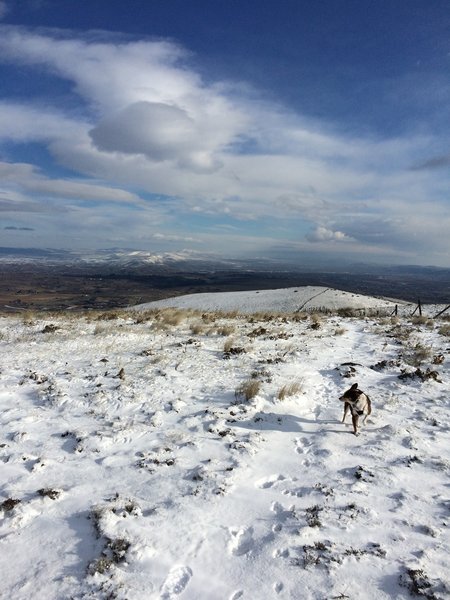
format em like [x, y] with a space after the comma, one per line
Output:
[279, 300]
[131, 470]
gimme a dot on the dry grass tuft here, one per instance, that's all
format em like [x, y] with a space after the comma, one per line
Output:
[340, 331]
[290, 389]
[350, 312]
[316, 321]
[231, 314]
[230, 349]
[197, 328]
[209, 317]
[110, 315]
[445, 330]
[102, 328]
[299, 316]
[28, 317]
[248, 389]
[226, 330]
[165, 318]
[418, 354]
[172, 317]
[401, 332]
[143, 316]
[422, 320]
[229, 343]
[263, 317]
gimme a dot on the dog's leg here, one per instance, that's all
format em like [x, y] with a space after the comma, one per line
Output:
[369, 409]
[355, 419]
[346, 409]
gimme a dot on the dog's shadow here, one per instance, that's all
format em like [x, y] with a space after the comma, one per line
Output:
[263, 421]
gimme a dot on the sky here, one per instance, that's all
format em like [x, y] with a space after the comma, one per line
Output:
[292, 130]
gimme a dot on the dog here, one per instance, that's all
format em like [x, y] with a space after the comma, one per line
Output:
[358, 403]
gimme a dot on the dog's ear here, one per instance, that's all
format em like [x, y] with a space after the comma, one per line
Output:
[354, 386]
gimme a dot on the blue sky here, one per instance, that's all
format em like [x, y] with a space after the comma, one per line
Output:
[309, 131]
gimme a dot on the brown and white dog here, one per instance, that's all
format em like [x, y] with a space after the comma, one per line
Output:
[358, 403]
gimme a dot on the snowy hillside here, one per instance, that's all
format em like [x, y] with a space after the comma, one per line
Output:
[173, 454]
[278, 300]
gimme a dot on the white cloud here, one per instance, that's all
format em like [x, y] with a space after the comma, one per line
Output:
[175, 238]
[322, 234]
[15, 202]
[148, 121]
[160, 132]
[21, 123]
[27, 178]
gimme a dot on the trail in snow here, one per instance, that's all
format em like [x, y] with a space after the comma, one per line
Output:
[309, 300]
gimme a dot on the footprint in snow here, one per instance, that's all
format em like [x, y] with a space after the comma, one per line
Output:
[322, 452]
[268, 482]
[302, 445]
[241, 540]
[176, 582]
[282, 515]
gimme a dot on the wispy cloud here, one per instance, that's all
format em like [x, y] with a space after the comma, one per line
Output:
[437, 162]
[27, 178]
[12, 228]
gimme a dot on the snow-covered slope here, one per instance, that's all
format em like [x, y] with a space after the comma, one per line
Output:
[133, 466]
[279, 300]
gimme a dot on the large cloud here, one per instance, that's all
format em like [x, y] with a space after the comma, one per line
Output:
[159, 131]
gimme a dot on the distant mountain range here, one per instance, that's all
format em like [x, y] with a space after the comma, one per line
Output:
[165, 274]
[129, 257]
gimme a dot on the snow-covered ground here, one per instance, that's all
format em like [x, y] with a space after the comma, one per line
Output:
[290, 300]
[132, 465]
